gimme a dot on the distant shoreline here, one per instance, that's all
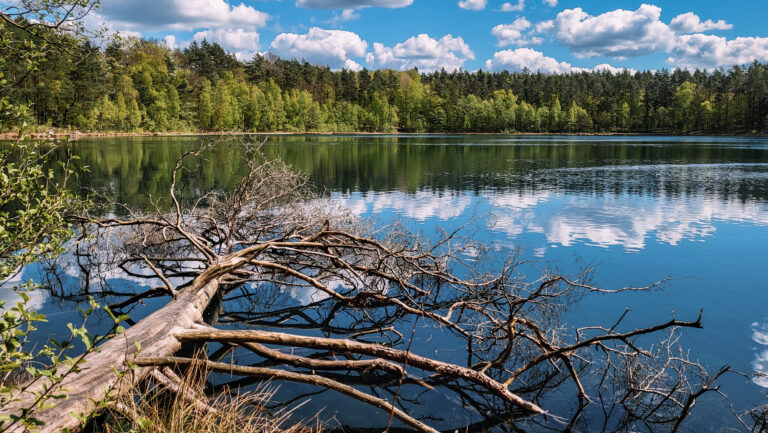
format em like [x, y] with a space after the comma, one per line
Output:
[74, 135]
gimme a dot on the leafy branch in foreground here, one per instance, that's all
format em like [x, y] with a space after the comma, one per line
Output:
[22, 367]
[34, 204]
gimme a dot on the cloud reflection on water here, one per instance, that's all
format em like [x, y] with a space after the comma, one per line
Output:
[624, 219]
[760, 364]
[419, 206]
[9, 295]
[630, 221]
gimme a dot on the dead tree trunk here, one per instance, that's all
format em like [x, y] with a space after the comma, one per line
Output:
[119, 364]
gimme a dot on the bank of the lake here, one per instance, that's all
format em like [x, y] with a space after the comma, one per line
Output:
[57, 134]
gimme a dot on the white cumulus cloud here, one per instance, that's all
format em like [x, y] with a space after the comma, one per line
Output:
[334, 48]
[535, 61]
[241, 42]
[512, 34]
[351, 4]
[233, 26]
[473, 5]
[170, 42]
[422, 52]
[141, 15]
[612, 69]
[509, 7]
[345, 15]
[526, 58]
[624, 33]
[545, 26]
[710, 51]
[689, 22]
[619, 33]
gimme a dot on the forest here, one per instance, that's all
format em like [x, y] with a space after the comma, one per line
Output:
[134, 85]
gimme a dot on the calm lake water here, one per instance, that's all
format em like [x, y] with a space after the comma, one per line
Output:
[639, 208]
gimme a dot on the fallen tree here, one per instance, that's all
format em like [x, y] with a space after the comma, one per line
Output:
[270, 255]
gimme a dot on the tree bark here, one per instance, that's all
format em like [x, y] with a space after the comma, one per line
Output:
[106, 374]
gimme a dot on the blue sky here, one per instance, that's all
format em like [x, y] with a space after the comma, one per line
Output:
[541, 35]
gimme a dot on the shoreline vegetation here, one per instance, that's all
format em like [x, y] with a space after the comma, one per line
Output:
[75, 135]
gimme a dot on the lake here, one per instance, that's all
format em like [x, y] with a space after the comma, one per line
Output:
[639, 209]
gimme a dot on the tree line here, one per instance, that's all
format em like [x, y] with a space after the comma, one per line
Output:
[142, 85]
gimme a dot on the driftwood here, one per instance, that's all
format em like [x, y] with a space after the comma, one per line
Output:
[232, 257]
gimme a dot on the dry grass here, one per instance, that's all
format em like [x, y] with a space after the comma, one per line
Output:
[156, 409]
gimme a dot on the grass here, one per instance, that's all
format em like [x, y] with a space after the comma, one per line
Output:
[155, 409]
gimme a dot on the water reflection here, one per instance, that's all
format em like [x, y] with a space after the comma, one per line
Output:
[419, 206]
[632, 221]
[655, 206]
[760, 364]
[565, 219]
[592, 191]
[9, 295]
[133, 170]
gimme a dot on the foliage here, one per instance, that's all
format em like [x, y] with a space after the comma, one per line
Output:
[34, 33]
[22, 367]
[34, 203]
[139, 85]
